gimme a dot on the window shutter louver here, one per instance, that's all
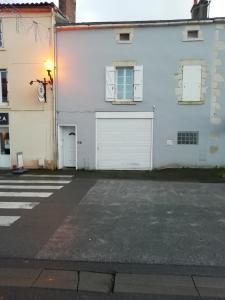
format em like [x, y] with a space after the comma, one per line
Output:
[110, 83]
[192, 82]
[138, 83]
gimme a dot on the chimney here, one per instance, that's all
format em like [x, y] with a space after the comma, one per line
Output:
[199, 10]
[68, 8]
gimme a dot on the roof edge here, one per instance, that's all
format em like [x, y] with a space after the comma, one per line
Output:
[95, 25]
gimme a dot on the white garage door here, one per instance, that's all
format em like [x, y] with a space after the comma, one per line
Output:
[124, 141]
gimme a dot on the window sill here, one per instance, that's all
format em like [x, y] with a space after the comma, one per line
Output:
[117, 102]
[191, 102]
[2, 49]
[4, 106]
[193, 40]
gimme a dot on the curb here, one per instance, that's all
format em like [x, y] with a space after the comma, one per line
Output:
[21, 283]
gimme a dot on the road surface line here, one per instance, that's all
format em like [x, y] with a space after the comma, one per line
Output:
[53, 176]
[25, 194]
[8, 220]
[31, 187]
[18, 205]
[35, 181]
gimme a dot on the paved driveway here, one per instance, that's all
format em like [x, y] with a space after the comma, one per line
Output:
[143, 221]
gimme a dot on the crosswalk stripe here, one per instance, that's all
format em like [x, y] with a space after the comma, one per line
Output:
[31, 187]
[8, 220]
[50, 176]
[25, 194]
[18, 205]
[35, 181]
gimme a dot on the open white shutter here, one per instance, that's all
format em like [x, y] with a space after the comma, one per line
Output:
[110, 88]
[138, 83]
[192, 82]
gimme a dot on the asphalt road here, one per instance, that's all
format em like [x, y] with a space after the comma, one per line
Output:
[117, 224]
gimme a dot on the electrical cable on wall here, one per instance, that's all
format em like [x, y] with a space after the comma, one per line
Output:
[41, 32]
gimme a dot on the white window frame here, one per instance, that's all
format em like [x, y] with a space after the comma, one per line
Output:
[124, 98]
[1, 100]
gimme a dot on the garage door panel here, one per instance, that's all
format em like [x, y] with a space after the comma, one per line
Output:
[124, 144]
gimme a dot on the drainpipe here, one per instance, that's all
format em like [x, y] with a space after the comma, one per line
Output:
[54, 92]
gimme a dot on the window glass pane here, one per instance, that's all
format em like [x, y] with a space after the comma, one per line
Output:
[4, 86]
[120, 71]
[4, 141]
[125, 78]
[187, 138]
[129, 91]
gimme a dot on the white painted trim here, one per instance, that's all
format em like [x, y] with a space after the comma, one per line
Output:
[124, 115]
[76, 139]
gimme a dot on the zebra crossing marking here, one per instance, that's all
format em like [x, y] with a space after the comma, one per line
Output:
[25, 194]
[35, 181]
[31, 187]
[18, 205]
[8, 220]
[50, 176]
[25, 185]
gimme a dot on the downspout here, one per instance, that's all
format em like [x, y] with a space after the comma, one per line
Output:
[54, 93]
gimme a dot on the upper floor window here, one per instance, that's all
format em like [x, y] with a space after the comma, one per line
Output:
[124, 83]
[1, 37]
[192, 83]
[192, 33]
[124, 35]
[3, 87]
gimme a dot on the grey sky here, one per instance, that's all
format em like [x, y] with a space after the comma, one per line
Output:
[118, 10]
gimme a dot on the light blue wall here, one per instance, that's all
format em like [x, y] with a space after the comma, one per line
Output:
[82, 58]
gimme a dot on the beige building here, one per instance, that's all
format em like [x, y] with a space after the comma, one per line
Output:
[27, 117]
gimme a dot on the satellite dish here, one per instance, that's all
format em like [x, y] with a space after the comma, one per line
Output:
[41, 92]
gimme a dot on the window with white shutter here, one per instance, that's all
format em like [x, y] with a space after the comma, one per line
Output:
[124, 83]
[192, 83]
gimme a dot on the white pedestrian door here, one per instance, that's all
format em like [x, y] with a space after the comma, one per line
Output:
[69, 146]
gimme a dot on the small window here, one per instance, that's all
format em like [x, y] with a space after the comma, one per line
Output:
[3, 87]
[187, 137]
[1, 38]
[193, 34]
[124, 37]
